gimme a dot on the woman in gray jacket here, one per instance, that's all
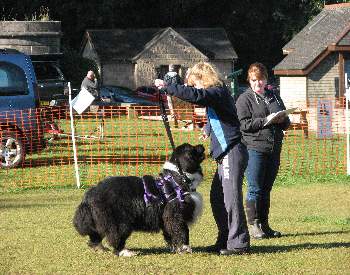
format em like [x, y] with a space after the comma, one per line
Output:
[255, 107]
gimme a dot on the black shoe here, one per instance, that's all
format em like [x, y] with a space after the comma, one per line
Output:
[215, 248]
[270, 233]
[212, 249]
[234, 251]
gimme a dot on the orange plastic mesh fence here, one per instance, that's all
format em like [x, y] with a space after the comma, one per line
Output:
[131, 140]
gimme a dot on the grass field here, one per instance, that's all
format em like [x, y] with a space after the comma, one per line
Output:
[310, 205]
[37, 237]
[136, 146]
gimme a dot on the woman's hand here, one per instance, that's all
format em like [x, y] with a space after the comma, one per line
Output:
[280, 119]
[276, 119]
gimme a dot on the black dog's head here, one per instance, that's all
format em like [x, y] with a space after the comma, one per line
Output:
[190, 157]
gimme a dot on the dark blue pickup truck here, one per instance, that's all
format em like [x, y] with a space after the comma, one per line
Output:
[21, 130]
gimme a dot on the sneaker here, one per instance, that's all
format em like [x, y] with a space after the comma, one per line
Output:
[256, 231]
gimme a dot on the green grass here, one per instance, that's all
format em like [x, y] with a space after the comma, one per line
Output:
[310, 205]
[37, 237]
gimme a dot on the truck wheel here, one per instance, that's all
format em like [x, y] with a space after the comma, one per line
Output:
[12, 150]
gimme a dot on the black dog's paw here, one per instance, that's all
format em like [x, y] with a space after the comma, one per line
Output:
[126, 253]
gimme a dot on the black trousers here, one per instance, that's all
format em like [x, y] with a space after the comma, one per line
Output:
[226, 199]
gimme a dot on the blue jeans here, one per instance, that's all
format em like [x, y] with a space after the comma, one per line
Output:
[261, 173]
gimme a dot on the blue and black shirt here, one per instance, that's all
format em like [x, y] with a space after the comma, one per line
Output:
[221, 112]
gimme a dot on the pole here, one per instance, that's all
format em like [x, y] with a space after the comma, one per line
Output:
[76, 167]
[347, 97]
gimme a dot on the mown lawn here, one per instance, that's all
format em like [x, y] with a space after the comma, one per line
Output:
[37, 237]
[137, 147]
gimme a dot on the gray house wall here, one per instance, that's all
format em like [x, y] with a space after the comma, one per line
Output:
[31, 37]
[345, 41]
[170, 49]
[224, 67]
[146, 70]
[321, 82]
[152, 61]
[118, 74]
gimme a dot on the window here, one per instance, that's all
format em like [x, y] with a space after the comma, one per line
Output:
[13, 80]
[46, 71]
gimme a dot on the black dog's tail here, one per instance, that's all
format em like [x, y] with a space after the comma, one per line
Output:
[83, 221]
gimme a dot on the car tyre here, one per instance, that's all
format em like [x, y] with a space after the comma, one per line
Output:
[12, 149]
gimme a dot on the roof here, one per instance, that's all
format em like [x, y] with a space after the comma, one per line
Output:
[328, 28]
[126, 44]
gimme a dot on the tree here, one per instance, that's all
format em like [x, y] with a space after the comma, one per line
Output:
[257, 29]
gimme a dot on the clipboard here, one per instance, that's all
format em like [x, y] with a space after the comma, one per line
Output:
[82, 101]
[279, 114]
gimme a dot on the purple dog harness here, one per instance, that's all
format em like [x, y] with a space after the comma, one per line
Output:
[168, 189]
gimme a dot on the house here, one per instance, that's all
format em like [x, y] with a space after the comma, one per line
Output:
[135, 57]
[317, 60]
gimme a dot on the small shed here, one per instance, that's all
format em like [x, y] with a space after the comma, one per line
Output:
[39, 39]
[317, 59]
[135, 57]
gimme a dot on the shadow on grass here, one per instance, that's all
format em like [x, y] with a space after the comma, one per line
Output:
[295, 247]
[153, 251]
[254, 249]
[286, 248]
[316, 233]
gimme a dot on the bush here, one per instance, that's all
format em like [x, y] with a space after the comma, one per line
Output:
[75, 67]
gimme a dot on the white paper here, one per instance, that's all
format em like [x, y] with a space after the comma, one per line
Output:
[82, 101]
[278, 114]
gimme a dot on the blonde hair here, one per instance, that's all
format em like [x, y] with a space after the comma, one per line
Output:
[259, 70]
[206, 73]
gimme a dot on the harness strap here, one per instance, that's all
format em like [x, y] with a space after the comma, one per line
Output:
[168, 188]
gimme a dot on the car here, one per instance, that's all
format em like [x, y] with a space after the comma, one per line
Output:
[21, 129]
[117, 94]
[273, 87]
[151, 93]
[52, 83]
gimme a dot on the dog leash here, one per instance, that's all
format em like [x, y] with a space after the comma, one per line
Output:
[164, 116]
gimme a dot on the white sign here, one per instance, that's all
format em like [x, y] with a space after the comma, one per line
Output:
[82, 101]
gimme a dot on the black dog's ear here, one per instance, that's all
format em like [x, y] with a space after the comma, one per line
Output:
[200, 148]
[200, 152]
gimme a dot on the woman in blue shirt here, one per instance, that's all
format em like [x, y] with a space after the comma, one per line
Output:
[205, 88]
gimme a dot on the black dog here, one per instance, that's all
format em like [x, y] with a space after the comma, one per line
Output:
[117, 206]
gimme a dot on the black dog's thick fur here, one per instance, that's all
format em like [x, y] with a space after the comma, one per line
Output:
[115, 207]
